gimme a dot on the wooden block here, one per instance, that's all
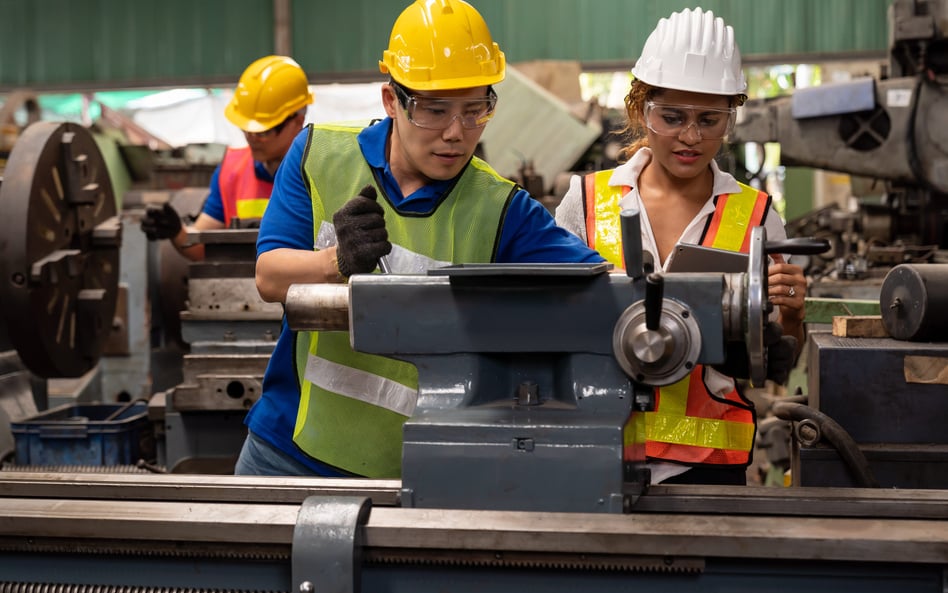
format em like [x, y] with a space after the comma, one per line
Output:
[859, 326]
[930, 370]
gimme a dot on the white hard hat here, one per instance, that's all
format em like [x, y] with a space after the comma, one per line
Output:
[692, 51]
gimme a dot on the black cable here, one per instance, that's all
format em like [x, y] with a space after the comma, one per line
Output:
[853, 458]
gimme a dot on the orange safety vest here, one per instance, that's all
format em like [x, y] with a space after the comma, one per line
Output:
[244, 196]
[689, 424]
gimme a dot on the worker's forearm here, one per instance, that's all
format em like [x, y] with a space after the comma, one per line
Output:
[194, 252]
[276, 270]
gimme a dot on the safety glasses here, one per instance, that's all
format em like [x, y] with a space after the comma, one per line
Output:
[671, 120]
[438, 113]
[275, 130]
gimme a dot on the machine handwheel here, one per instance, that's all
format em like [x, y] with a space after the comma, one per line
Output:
[756, 291]
[59, 254]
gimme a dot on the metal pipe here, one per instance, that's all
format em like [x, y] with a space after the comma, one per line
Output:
[282, 28]
[317, 307]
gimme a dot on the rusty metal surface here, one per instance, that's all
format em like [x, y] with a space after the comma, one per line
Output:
[220, 382]
[263, 489]
[218, 298]
[474, 532]
[222, 520]
[59, 258]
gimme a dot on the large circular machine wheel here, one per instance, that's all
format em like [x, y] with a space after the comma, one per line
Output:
[756, 305]
[59, 249]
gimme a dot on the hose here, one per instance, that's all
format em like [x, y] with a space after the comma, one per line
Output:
[853, 458]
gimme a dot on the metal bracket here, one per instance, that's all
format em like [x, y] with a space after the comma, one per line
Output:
[327, 544]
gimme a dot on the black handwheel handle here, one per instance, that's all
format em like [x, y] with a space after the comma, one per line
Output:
[798, 246]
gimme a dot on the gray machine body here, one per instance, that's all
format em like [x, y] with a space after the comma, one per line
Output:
[520, 407]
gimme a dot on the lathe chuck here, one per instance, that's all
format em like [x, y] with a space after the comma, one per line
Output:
[59, 249]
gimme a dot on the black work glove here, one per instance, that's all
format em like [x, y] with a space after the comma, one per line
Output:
[361, 238]
[780, 356]
[161, 223]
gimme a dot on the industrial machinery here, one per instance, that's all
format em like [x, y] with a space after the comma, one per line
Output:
[59, 262]
[515, 471]
[515, 475]
[507, 397]
[884, 390]
[229, 332]
[75, 316]
[888, 130]
[61, 250]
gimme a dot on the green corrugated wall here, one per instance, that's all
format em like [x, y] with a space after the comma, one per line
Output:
[126, 43]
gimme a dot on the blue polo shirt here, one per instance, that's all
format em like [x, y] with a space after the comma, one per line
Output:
[529, 235]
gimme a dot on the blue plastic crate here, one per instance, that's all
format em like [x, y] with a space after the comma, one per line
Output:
[85, 434]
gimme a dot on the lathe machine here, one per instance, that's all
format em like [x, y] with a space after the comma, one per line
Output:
[515, 470]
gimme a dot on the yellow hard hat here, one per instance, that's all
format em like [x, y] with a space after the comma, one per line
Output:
[269, 91]
[442, 45]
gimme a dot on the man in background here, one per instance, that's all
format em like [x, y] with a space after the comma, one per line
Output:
[269, 106]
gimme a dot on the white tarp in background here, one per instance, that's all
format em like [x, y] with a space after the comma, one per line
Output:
[195, 116]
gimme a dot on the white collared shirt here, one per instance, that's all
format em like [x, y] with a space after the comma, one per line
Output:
[569, 214]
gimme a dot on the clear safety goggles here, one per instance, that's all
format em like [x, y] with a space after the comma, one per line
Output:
[438, 113]
[672, 120]
[275, 130]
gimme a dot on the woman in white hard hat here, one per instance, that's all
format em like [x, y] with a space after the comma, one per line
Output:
[688, 85]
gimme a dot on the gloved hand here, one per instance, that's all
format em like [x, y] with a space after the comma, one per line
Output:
[161, 223]
[361, 238]
[780, 356]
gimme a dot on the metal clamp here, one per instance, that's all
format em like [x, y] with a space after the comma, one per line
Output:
[327, 544]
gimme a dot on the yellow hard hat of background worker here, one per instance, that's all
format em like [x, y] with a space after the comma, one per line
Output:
[442, 45]
[269, 91]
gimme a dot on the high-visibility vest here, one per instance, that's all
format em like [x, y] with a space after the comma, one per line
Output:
[244, 196]
[689, 424]
[353, 404]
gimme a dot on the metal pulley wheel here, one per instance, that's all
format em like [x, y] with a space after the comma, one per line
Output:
[757, 309]
[661, 356]
[914, 302]
[59, 252]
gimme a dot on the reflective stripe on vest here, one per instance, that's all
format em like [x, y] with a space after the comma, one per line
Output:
[742, 212]
[353, 404]
[360, 385]
[244, 196]
[689, 424]
[603, 231]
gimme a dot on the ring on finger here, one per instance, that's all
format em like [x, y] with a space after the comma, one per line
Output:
[791, 292]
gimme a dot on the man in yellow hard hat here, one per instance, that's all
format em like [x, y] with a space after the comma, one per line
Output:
[269, 105]
[407, 188]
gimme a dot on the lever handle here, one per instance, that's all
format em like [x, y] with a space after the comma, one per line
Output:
[631, 229]
[798, 246]
[654, 293]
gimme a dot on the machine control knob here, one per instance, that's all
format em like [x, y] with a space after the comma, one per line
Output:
[659, 356]
[650, 346]
[654, 291]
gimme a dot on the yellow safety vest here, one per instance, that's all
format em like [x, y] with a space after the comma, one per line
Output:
[353, 404]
